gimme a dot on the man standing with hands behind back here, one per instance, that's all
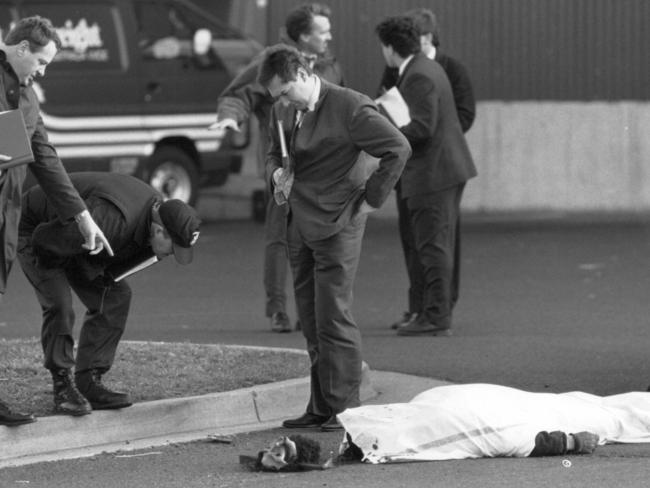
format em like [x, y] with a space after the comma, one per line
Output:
[319, 130]
[28, 48]
[434, 177]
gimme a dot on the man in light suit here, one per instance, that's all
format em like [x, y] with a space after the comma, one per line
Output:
[327, 195]
[434, 178]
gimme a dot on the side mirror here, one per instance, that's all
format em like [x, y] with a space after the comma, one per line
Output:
[201, 42]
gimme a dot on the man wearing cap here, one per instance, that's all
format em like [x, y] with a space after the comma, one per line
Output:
[141, 227]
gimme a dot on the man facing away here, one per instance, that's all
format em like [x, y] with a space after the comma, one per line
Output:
[318, 131]
[28, 48]
[461, 87]
[142, 229]
[308, 28]
[434, 177]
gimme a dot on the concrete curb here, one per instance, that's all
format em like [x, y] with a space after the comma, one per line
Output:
[159, 422]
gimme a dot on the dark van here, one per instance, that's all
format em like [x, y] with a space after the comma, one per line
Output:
[135, 86]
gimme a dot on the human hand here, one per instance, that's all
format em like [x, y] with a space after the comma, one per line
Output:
[585, 442]
[223, 124]
[94, 238]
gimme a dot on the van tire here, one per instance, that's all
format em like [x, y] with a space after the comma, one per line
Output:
[173, 173]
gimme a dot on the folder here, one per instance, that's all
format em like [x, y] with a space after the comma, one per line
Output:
[14, 141]
[394, 107]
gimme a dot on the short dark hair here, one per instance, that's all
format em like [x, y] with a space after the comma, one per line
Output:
[300, 20]
[401, 33]
[37, 30]
[281, 60]
[426, 22]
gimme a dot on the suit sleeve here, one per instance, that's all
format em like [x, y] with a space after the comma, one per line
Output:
[53, 178]
[461, 86]
[242, 96]
[420, 95]
[376, 135]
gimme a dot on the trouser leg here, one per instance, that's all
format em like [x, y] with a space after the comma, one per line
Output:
[53, 293]
[104, 322]
[413, 265]
[275, 257]
[434, 227]
[455, 280]
[324, 285]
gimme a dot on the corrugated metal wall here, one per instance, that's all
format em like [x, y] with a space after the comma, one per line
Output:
[514, 49]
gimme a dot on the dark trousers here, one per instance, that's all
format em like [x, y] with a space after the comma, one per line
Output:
[104, 321]
[430, 234]
[276, 263]
[323, 273]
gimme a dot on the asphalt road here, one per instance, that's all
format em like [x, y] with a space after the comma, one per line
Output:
[545, 306]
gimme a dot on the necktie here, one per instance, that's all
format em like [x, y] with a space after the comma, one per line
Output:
[285, 182]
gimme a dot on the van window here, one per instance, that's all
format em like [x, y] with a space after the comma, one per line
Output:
[87, 31]
[166, 31]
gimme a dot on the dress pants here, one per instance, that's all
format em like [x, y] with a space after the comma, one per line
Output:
[276, 263]
[107, 311]
[323, 273]
[430, 234]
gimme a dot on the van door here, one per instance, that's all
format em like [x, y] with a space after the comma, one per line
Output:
[175, 80]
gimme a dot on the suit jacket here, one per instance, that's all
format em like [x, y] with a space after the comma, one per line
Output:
[330, 183]
[46, 168]
[441, 157]
[121, 206]
[461, 86]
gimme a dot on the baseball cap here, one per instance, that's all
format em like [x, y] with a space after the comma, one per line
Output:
[182, 225]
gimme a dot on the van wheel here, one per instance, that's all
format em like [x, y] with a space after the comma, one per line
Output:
[173, 173]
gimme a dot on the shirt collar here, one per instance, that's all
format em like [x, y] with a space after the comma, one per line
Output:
[402, 66]
[432, 53]
[311, 104]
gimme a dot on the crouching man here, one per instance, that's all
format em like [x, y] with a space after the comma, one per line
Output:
[140, 227]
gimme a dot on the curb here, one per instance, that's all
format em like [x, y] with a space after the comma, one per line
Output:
[159, 422]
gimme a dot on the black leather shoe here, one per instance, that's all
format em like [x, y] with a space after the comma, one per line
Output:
[306, 421]
[10, 418]
[331, 425]
[100, 397]
[419, 327]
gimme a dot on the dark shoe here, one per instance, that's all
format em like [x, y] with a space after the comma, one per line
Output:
[307, 421]
[406, 319]
[419, 327]
[67, 399]
[280, 322]
[331, 425]
[100, 397]
[10, 418]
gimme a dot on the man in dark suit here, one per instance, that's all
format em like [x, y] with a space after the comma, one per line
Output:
[434, 178]
[307, 28]
[319, 130]
[461, 86]
[141, 227]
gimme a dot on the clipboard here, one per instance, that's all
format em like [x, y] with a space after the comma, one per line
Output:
[14, 141]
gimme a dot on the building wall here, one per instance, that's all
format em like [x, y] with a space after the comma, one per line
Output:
[562, 89]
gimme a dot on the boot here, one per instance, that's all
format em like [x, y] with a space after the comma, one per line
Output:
[67, 399]
[101, 398]
[11, 418]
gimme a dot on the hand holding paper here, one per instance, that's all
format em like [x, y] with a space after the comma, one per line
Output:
[394, 107]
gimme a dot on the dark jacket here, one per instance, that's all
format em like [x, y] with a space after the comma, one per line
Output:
[441, 158]
[121, 206]
[329, 182]
[47, 169]
[461, 86]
